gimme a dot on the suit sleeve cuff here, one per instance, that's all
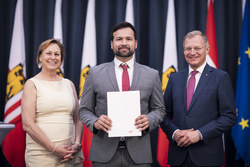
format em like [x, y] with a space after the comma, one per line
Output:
[201, 137]
[174, 134]
[95, 131]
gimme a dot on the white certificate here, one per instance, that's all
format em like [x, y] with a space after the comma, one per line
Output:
[123, 109]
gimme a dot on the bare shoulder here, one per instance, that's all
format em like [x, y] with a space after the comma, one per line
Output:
[29, 84]
[29, 89]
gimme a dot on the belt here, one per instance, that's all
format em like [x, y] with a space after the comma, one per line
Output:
[122, 144]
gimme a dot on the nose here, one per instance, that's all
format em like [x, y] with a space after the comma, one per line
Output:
[124, 42]
[53, 56]
[192, 51]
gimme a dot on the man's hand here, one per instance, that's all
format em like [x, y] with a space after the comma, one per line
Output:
[103, 123]
[187, 137]
[142, 122]
[180, 134]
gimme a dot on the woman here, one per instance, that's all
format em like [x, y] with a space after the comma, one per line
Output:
[50, 113]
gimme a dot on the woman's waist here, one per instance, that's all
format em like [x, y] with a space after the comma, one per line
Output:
[58, 131]
[54, 118]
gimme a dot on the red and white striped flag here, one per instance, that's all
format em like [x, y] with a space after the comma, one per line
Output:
[88, 60]
[14, 143]
[169, 66]
[212, 57]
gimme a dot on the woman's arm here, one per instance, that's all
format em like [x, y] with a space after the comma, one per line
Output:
[78, 124]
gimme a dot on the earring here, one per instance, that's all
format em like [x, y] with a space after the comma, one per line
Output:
[39, 65]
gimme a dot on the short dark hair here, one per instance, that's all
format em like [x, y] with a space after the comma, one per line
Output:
[120, 26]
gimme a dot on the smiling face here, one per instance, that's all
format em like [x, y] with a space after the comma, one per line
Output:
[51, 57]
[195, 51]
[124, 44]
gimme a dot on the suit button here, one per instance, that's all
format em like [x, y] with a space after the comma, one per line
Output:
[187, 116]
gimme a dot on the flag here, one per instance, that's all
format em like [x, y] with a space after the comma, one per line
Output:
[169, 66]
[241, 130]
[14, 143]
[57, 34]
[129, 16]
[88, 60]
[212, 57]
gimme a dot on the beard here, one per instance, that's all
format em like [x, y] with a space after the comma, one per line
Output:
[125, 54]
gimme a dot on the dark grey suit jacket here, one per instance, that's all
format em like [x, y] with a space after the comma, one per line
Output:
[102, 79]
[211, 111]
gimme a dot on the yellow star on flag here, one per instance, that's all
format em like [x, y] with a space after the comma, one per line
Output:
[248, 52]
[244, 123]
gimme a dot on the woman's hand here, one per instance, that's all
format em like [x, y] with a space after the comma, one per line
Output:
[77, 146]
[64, 152]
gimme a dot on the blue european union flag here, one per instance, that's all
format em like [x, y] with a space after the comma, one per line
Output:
[241, 131]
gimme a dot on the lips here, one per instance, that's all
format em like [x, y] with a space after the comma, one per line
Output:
[123, 48]
[193, 57]
[52, 62]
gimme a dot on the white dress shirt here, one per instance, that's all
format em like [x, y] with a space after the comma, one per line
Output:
[119, 71]
[198, 74]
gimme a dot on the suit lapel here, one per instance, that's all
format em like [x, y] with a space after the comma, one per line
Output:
[205, 76]
[112, 75]
[184, 86]
[136, 75]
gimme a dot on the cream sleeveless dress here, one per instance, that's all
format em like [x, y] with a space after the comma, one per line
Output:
[54, 109]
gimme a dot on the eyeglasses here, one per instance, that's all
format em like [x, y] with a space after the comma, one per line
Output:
[197, 49]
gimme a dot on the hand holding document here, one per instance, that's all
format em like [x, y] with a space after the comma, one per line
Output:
[123, 109]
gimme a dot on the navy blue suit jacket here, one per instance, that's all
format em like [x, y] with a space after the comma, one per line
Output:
[212, 112]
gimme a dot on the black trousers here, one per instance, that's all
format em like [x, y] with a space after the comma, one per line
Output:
[189, 163]
[120, 159]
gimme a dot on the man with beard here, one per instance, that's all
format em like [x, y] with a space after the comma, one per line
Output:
[109, 77]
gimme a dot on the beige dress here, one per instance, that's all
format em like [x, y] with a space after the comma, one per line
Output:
[54, 109]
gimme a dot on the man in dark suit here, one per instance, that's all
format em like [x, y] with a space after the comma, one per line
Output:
[108, 77]
[200, 106]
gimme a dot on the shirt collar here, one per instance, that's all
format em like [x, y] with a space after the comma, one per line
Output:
[200, 69]
[130, 63]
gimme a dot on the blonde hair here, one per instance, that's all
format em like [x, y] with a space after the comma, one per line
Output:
[45, 44]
